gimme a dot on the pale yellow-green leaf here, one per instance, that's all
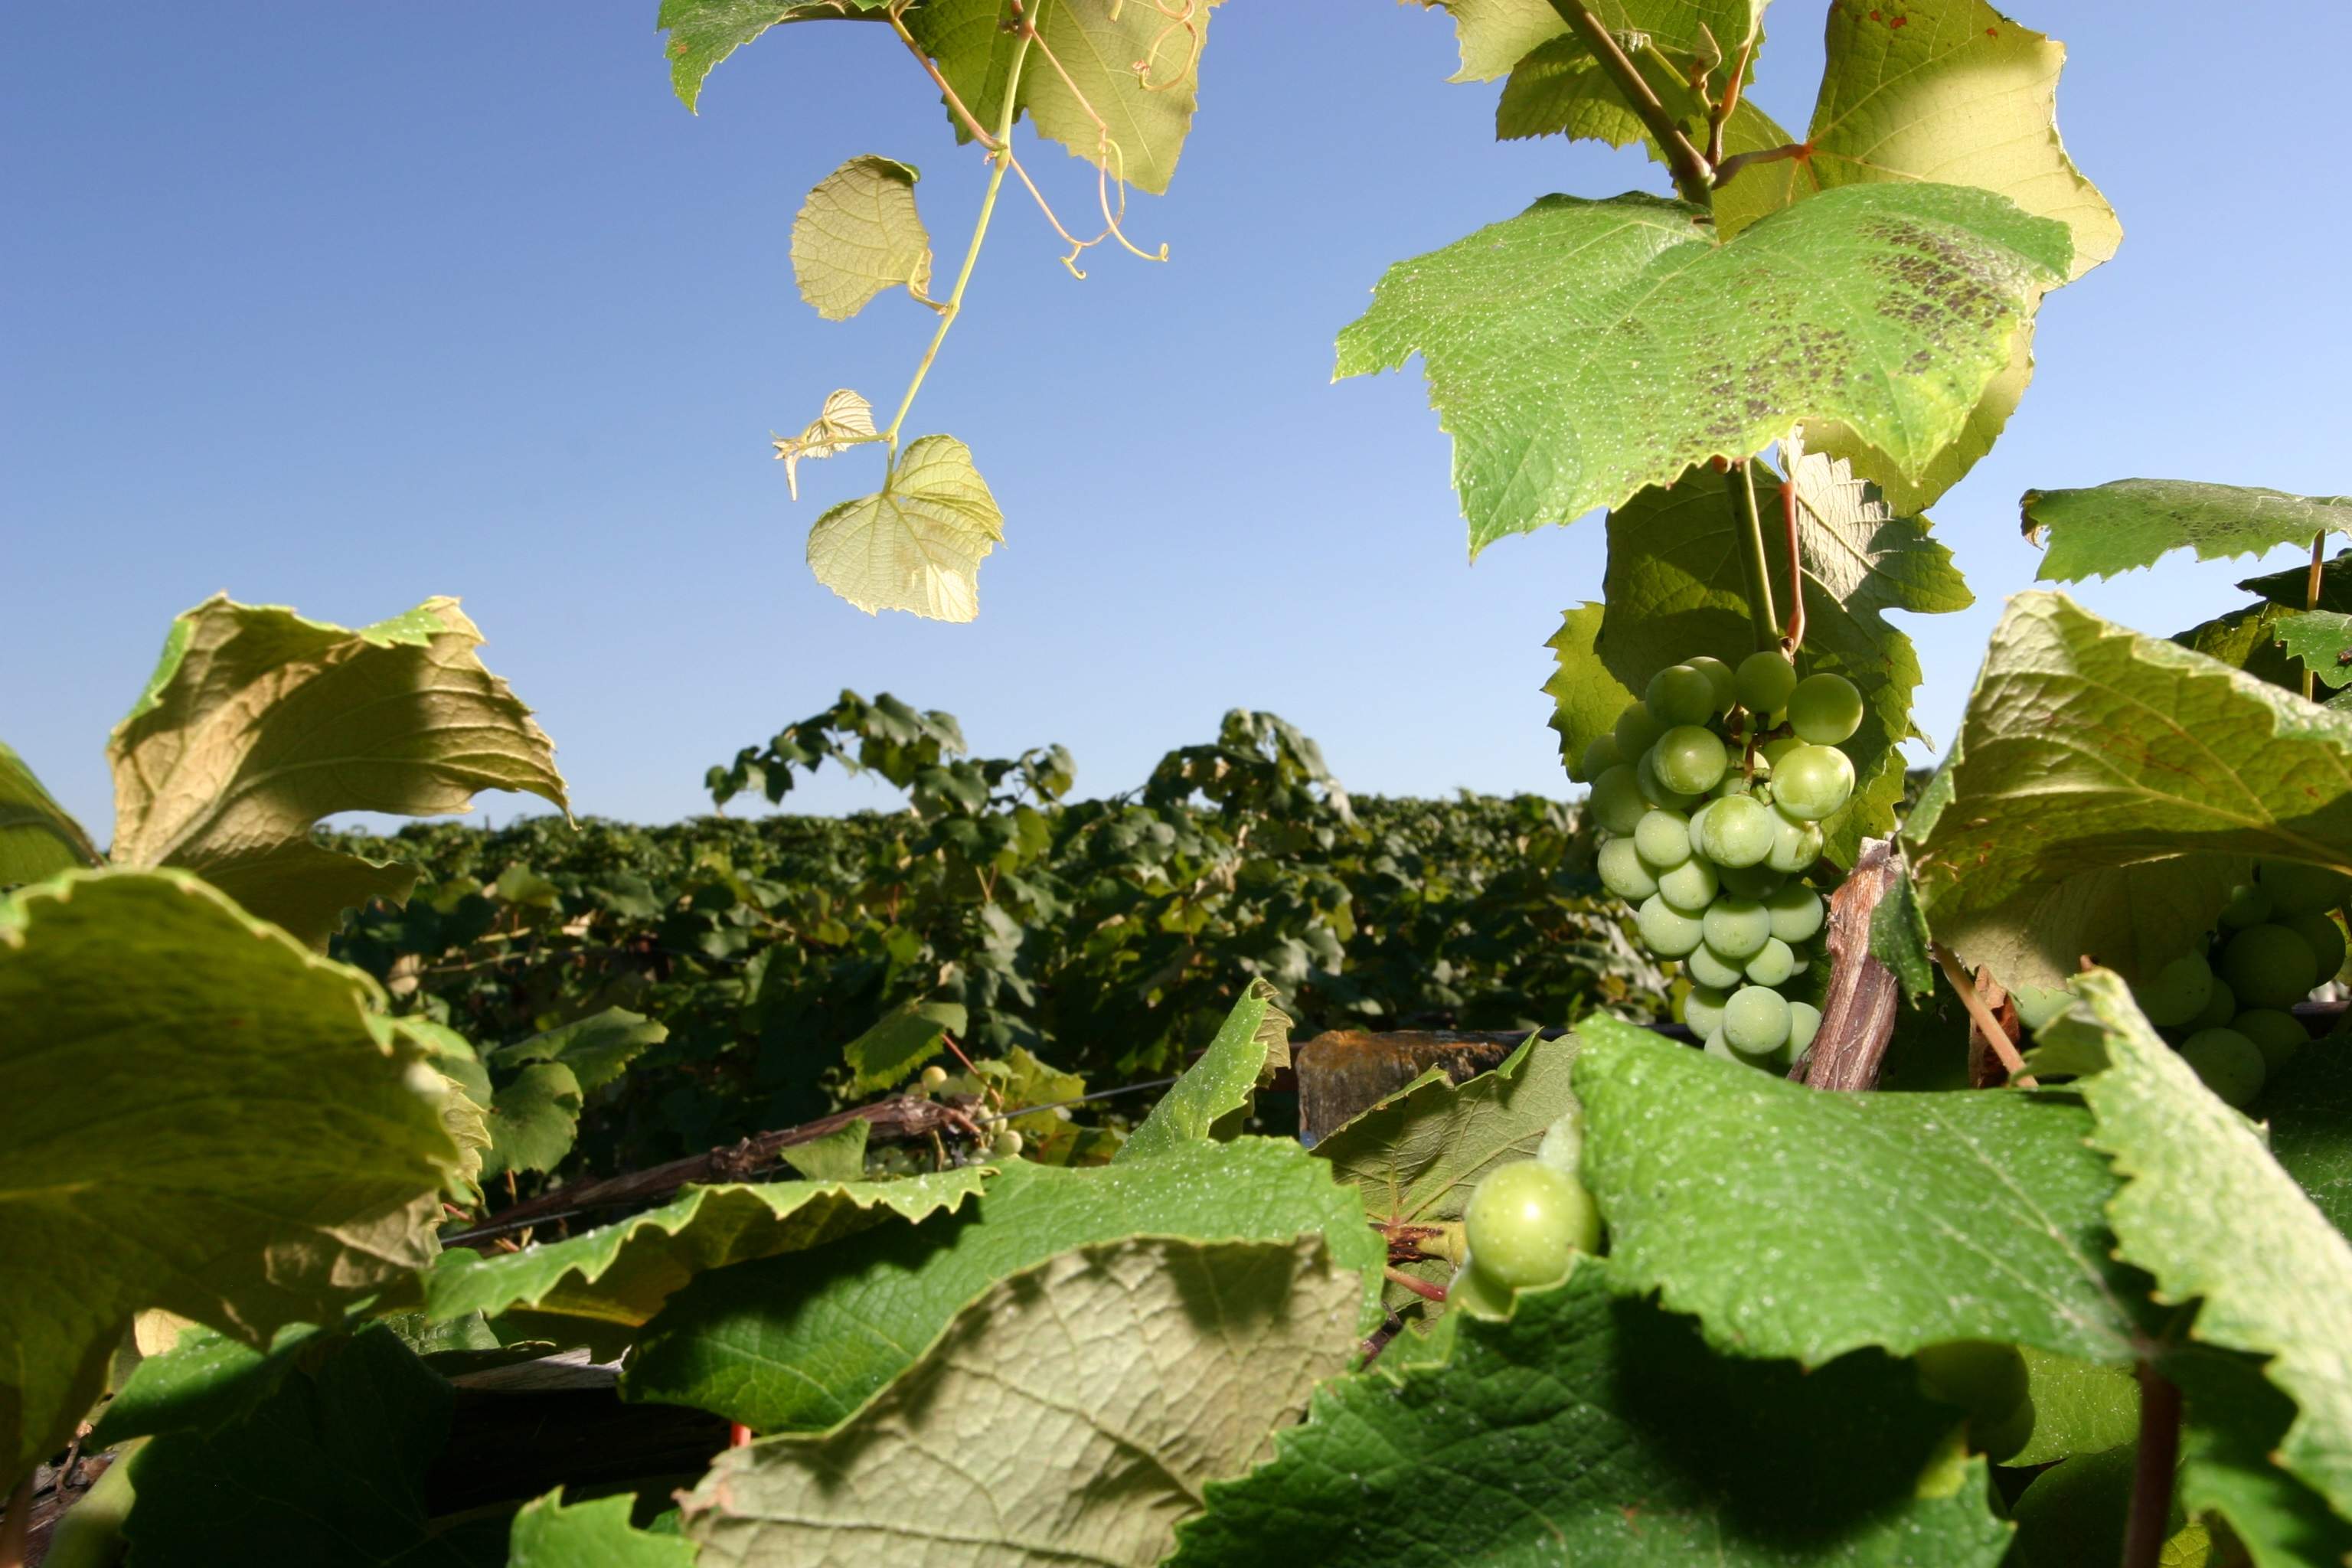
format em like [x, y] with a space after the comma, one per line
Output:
[916, 546]
[257, 723]
[1071, 1414]
[838, 1156]
[844, 421]
[38, 838]
[858, 234]
[1985, 423]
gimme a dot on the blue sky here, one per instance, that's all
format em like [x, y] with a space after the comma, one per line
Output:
[342, 306]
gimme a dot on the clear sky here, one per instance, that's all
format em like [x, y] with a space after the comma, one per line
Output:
[340, 306]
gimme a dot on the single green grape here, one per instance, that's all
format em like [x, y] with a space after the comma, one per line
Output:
[1756, 1020]
[1797, 914]
[1691, 758]
[1716, 1045]
[2230, 1064]
[2326, 939]
[2277, 1033]
[1772, 751]
[1733, 781]
[1738, 831]
[935, 1077]
[2249, 905]
[1825, 710]
[1774, 962]
[1710, 968]
[1795, 846]
[2219, 1009]
[1680, 695]
[1616, 803]
[1474, 1290]
[1663, 839]
[1624, 873]
[2270, 966]
[1636, 731]
[1752, 881]
[1007, 1145]
[1599, 758]
[1665, 930]
[1766, 680]
[1698, 827]
[1720, 677]
[1690, 887]
[1804, 1022]
[1811, 783]
[1655, 789]
[2178, 993]
[1736, 929]
[2300, 888]
[1985, 1379]
[1703, 1009]
[1525, 1218]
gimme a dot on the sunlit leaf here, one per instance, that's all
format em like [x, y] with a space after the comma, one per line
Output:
[917, 544]
[701, 33]
[1253, 1044]
[841, 423]
[38, 838]
[858, 234]
[2128, 523]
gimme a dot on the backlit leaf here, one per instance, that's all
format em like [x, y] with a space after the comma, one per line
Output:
[900, 1043]
[844, 419]
[38, 838]
[2321, 639]
[2129, 523]
[917, 544]
[858, 234]
[701, 33]
[1253, 1044]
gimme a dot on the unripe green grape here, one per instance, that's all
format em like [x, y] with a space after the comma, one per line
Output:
[1756, 1020]
[1617, 804]
[2178, 993]
[2277, 1034]
[935, 1077]
[1774, 962]
[1733, 781]
[2299, 889]
[1825, 710]
[1680, 695]
[1759, 882]
[1703, 1009]
[1665, 930]
[1802, 961]
[1804, 1022]
[1599, 758]
[1738, 832]
[1691, 759]
[1654, 790]
[1987, 1380]
[1636, 731]
[1474, 1290]
[1716, 1045]
[2219, 1009]
[1736, 929]
[1698, 827]
[2270, 966]
[1007, 1145]
[1772, 751]
[1795, 846]
[1624, 873]
[1720, 677]
[1711, 969]
[1663, 839]
[1810, 782]
[1796, 914]
[1522, 1221]
[1690, 887]
[2326, 938]
[2230, 1064]
[2249, 905]
[1766, 680]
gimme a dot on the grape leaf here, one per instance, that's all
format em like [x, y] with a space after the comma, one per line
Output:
[257, 723]
[2074, 1513]
[1586, 698]
[204, 1380]
[1185, 1357]
[1674, 590]
[1590, 1428]
[2288, 588]
[1208, 1102]
[902, 1041]
[533, 1118]
[797, 1343]
[1584, 350]
[38, 838]
[1961, 1216]
[858, 234]
[597, 1048]
[552, 1533]
[2247, 639]
[2126, 524]
[843, 420]
[196, 1114]
[1560, 89]
[2079, 1407]
[1122, 98]
[704, 32]
[838, 1156]
[1496, 35]
[2309, 1104]
[1899, 938]
[2321, 639]
[2105, 789]
[917, 544]
[2207, 1211]
[2235, 1422]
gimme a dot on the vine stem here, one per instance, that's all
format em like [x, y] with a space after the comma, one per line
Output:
[2311, 602]
[2152, 1466]
[17, 1527]
[999, 160]
[1790, 501]
[1421, 1288]
[1693, 178]
[1740, 484]
[1981, 1017]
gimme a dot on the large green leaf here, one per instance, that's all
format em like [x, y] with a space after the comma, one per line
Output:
[2289, 588]
[701, 33]
[257, 723]
[797, 1343]
[2079, 1407]
[2229, 1464]
[1591, 1428]
[2322, 639]
[202, 1380]
[858, 234]
[1072, 1414]
[1207, 1103]
[2309, 1104]
[1128, 82]
[603, 1283]
[917, 543]
[38, 838]
[1584, 350]
[196, 1114]
[2125, 525]
[900, 1042]
[2103, 791]
[533, 1118]
[552, 1533]
[2207, 1211]
[597, 1048]
[1958, 1215]
[1674, 590]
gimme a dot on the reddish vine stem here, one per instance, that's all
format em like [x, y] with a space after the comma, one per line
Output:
[2311, 602]
[1421, 1288]
[1693, 177]
[1738, 161]
[1795, 639]
[1721, 118]
[1981, 1017]
[2152, 1468]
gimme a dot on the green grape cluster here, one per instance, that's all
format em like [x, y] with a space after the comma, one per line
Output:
[1709, 797]
[2229, 1005]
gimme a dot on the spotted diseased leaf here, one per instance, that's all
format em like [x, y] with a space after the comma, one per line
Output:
[2129, 523]
[917, 545]
[1585, 350]
[257, 723]
[38, 838]
[2322, 639]
[858, 234]
[701, 33]
[845, 420]
[1207, 1103]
